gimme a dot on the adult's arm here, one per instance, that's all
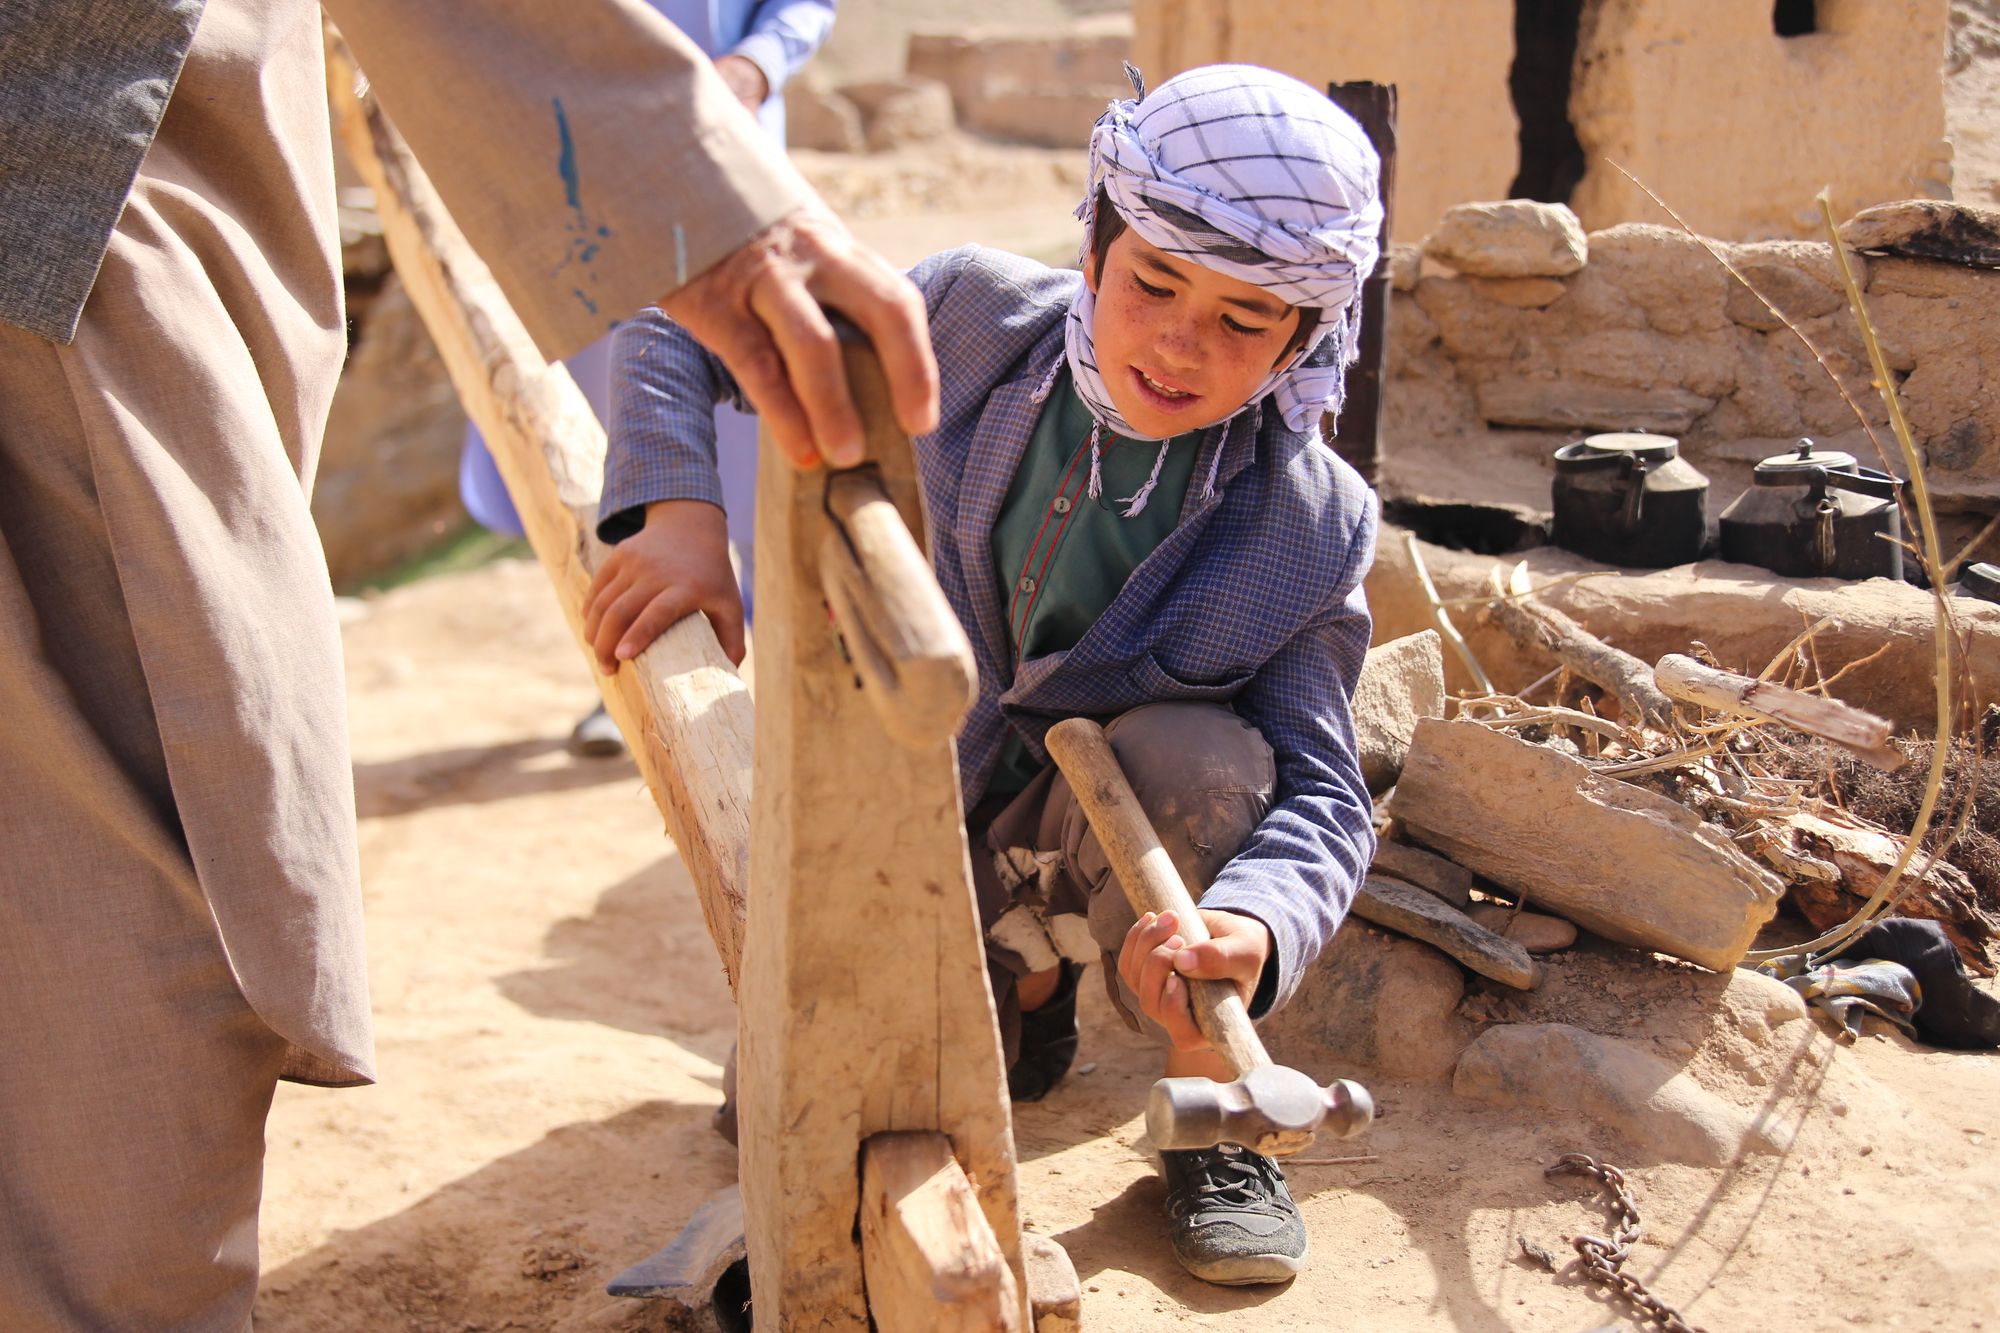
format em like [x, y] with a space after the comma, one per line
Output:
[598, 164]
[782, 35]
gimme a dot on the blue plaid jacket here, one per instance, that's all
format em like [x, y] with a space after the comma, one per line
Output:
[1254, 598]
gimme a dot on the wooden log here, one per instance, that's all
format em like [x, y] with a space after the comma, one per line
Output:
[1860, 732]
[1629, 679]
[1617, 859]
[1410, 911]
[932, 1262]
[1444, 880]
[681, 706]
[864, 1007]
[1836, 862]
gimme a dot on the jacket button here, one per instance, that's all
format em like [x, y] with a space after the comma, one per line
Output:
[1061, 506]
[1027, 585]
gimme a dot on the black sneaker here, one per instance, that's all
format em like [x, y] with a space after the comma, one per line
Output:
[1048, 1041]
[1234, 1222]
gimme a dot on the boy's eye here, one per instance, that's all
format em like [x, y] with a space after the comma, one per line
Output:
[1248, 330]
[1148, 288]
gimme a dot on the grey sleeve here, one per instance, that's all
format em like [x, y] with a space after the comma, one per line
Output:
[82, 89]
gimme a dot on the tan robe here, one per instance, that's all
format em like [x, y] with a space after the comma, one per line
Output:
[180, 917]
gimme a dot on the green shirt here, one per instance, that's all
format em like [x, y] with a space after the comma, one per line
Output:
[1059, 556]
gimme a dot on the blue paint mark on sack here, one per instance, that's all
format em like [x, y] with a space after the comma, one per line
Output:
[566, 158]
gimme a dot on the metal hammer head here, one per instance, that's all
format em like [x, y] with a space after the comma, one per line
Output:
[1271, 1109]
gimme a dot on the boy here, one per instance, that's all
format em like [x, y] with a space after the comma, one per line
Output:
[1133, 515]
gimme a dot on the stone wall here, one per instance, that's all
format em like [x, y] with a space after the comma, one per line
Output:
[1029, 87]
[1494, 364]
[1734, 125]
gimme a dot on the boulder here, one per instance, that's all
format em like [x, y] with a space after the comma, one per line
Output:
[1373, 1001]
[1660, 1111]
[1516, 238]
[1401, 681]
[1928, 229]
[818, 118]
[1537, 932]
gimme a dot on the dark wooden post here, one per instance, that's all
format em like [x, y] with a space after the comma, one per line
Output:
[1360, 425]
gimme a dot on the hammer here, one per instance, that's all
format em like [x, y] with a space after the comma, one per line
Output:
[1270, 1108]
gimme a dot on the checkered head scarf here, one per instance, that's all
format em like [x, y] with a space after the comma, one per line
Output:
[1255, 176]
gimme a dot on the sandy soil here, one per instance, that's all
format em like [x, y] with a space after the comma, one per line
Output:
[551, 1020]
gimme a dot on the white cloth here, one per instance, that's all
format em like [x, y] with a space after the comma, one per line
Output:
[1256, 176]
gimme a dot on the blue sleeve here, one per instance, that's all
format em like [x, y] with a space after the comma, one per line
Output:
[664, 389]
[1298, 872]
[782, 35]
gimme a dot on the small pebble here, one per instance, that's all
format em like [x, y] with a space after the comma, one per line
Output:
[1088, 1067]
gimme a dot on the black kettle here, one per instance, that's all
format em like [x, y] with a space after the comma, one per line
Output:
[1629, 499]
[1816, 513]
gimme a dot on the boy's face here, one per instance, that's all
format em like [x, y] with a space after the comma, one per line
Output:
[1180, 346]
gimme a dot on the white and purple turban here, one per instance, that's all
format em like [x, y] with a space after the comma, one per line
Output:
[1253, 175]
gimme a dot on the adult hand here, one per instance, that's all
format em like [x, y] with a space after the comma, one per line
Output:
[1155, 961]
[759, 310]
[752, 89]
[678, 563]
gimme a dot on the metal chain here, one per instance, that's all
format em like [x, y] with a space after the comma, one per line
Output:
[1604, 1260]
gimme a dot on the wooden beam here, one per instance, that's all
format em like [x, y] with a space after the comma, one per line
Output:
[865, 1007]
[1358, 438]
[1628, 678]
[932, 1263]
[683, 709]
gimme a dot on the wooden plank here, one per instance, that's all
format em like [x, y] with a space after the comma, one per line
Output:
[681, 706]
[1410, 911]
[865, 1007]
[931, 1261]
[1619, 860]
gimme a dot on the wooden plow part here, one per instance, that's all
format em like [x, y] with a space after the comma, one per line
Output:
[878, 1180]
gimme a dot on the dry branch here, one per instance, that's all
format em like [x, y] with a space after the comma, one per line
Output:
[1861, 733]
[1628, 678]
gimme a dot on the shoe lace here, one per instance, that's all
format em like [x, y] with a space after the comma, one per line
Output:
[1231, 1177]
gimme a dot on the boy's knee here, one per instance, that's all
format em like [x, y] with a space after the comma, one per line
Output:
[1204, 777]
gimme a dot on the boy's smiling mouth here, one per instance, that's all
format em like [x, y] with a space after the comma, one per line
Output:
[1162, 394]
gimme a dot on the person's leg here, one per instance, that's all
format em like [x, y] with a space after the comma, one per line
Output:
[134, 1077]
[180, 917]
[1205, 778]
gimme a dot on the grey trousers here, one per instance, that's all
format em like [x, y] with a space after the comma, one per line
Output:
[1205, 778]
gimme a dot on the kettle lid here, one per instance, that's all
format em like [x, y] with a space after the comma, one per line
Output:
[1634, 444]
[1805, 458]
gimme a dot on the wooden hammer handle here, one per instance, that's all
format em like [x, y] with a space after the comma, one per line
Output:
[1147, 873]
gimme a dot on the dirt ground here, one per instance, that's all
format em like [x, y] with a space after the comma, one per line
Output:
[552, 1021]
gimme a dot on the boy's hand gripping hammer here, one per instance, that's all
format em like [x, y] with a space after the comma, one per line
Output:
[1269, 1109]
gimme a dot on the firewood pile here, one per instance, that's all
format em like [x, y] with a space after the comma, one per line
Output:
[1673, 807]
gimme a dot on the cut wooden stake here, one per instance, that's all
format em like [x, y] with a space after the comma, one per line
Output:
[681, 706]
[931, 1260]
[1410, 911]
[1861, 733]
